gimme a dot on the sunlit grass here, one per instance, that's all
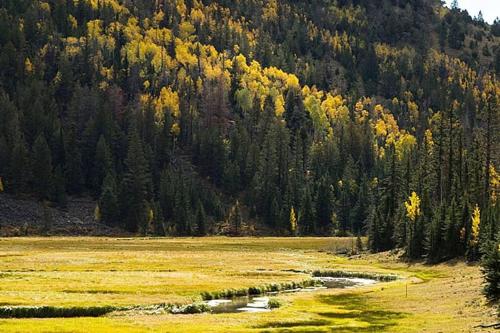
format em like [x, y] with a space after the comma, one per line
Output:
[100, 271]
[80, 272]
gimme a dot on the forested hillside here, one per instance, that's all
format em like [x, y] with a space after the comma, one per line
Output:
[307, 117]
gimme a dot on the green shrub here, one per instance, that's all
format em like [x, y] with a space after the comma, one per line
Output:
[53, 311]
[257, 290]
[362, 275]
[273, 303]
[191, 308]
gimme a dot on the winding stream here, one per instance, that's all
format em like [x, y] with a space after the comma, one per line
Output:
[261, 303]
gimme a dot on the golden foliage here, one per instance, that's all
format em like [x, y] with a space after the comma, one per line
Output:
[72, 22]
[186, 29]
[175, 130]
[494, 183]
[168, 101]
[405, 144]
[28, 66]
[413, 207]
[183, 54]
[293, 221]
[380, 128]
[476, 221]
[334, 107]
[429, 141]
[270, 11]
[279, 105]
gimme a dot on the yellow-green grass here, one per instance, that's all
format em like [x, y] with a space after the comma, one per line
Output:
[108, 271]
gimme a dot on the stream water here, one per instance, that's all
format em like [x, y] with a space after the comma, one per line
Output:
[261, 303]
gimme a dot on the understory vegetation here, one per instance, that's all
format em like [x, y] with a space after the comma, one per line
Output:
[275, 287]
[362, 275]
[53, 312]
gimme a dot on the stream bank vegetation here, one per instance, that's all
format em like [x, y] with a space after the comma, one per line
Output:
[361, 275]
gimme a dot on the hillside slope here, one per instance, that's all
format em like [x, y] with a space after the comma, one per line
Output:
[308, 117]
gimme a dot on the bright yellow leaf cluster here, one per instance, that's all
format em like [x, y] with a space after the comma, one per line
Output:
[168, 101]
[293, 221]
[413, 207]
[476, 221]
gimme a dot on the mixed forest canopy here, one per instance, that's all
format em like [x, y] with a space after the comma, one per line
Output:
[323, 117]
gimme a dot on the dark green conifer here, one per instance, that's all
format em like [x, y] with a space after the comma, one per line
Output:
[42, 168]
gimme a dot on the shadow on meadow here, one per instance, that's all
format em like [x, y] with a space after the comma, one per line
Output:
[350, 313]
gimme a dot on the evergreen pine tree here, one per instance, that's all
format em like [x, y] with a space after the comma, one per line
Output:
[59, 194]
[307, 214]
[19, 172]
[235, 219]
[108, 201]
[491, 270]
[435, 235]
[359, 244]
[452, 230]
[159, 221]
[374, 227]
[102, 163]
[324, 207]
[201, 220]
[42, 168]
[135, 184]
[73, 167]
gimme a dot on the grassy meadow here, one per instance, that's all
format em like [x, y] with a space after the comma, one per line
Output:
[88, 272]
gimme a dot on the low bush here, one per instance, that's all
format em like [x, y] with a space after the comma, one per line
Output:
[362, 275]
[257, 290]
[191, 308]
[53, 311]
[273, 303]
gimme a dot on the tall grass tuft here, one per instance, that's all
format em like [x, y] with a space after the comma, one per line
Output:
[273, 303]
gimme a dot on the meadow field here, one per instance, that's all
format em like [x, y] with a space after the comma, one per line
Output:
[98, 272]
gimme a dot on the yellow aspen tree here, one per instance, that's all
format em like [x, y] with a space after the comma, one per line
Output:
[293, 221]
[476, 221]
[412, 212]
[279, 105]
[404, 144]
[168, 101]
[28, 66]
[413, 207]
[97, 213]
[151, 215]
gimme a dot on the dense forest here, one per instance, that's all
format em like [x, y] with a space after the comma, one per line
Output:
[323, 117]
